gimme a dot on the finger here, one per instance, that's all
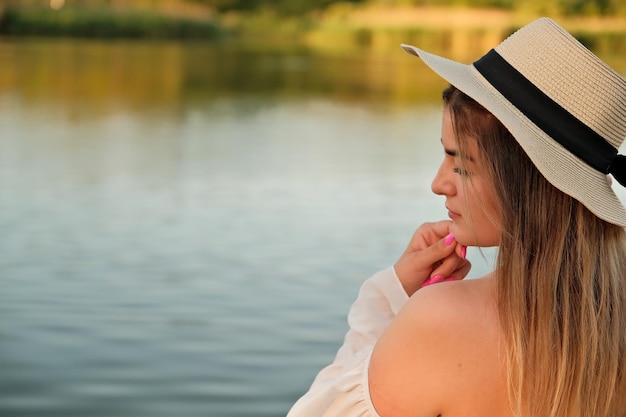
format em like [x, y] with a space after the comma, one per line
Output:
[428, 234]
[461, 272]
[447, 267]
[436, 231]
[435, 255]
[440, 228]
[457, 275]
[423, 262]
[461, 251]
[452, 263]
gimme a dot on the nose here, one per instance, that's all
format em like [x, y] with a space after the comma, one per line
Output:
[443, 184]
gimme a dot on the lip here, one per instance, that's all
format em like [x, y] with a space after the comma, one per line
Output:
[453, 215]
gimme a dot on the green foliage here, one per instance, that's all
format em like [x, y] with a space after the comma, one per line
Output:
[565, 7]
[585, 7]
[101, 23]
[229, 5]
[142, 18]
[502, 4]
[281, 7]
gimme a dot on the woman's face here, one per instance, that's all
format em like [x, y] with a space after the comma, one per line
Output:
[470, 197]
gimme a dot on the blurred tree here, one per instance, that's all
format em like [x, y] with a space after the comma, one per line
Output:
[285, 7]
[566, 7]
[227, 5]
[507, 4]
[585, 7]
[297, 7]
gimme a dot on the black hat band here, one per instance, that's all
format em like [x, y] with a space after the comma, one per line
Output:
[550, 117]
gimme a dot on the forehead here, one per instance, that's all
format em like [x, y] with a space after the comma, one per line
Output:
[447, 130]
[448, 139]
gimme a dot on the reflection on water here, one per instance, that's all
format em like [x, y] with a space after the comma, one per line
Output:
[91, 77]
[184, 226]
[144, 75]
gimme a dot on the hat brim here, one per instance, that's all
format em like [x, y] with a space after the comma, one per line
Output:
[562, 169]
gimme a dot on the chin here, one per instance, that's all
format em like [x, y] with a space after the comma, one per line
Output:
[462, 235]
[470, 237]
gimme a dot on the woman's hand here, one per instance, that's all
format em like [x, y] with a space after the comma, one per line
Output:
[432, 256]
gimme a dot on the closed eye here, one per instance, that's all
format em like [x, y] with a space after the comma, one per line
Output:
[460, 171]
[451, 153]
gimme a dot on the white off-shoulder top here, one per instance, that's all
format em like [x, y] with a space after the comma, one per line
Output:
[341, 389]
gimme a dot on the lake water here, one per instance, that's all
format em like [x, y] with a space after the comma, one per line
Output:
[184, 227]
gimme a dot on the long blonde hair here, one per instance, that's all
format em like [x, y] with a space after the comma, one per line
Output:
[561, 283]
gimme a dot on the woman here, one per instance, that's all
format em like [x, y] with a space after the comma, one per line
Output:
[529, 133]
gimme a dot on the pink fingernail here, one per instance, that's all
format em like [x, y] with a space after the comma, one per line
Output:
[434, 280]
[463, 251]
[427, 282]
[448, 240]
[437, 279]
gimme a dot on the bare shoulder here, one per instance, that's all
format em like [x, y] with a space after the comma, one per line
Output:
[457, 303]
[441, 354]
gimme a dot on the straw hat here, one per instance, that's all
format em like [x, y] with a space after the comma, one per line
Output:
[565, 107]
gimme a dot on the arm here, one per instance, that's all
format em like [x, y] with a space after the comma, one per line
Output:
[341, 389]
[379, 300]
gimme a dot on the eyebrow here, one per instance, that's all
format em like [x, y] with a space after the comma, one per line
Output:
[451, 152]
[454, 153]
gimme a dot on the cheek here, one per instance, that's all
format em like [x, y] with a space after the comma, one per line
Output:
[487, 225]
[481, 225]
[481, 232]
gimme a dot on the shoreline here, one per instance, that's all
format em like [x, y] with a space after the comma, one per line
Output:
[358, 25]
